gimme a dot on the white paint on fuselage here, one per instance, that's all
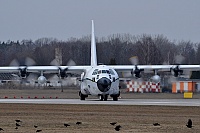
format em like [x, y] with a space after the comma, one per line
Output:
[89, 81]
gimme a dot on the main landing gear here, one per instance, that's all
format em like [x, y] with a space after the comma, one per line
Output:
[101, 97]
[82, 96]
[115, 96]
[105, 97]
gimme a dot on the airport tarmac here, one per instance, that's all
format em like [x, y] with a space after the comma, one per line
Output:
[161, 102]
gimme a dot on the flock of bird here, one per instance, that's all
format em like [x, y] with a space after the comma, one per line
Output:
[18, 124]
[117, 127]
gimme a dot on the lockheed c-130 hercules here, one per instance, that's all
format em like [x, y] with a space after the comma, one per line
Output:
[99, 80]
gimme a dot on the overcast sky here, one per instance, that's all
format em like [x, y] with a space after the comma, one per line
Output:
[62, 19]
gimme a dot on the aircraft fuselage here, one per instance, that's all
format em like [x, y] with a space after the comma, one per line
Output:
[101, 81]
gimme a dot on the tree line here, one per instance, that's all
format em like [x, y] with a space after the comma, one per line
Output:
[114, 49]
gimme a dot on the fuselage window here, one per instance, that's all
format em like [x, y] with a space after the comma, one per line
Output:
[111, 72]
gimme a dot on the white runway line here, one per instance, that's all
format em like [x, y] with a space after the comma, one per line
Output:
[161, 102]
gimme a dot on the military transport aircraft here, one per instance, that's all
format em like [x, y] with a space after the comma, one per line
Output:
[100, 80]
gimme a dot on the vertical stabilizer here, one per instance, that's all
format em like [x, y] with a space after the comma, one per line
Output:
[93, 48]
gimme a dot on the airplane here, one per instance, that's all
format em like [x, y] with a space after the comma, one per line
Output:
[98, 79]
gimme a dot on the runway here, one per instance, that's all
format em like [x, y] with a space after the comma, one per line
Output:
[160, 102]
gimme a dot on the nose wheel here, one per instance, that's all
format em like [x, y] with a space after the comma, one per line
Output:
[103, 97]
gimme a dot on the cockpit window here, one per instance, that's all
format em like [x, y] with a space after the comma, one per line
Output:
[99, 72]
[95, 72]
[104, 71]
[107, 71]
[111, 72]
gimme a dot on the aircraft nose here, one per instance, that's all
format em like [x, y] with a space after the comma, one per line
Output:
[103, 84]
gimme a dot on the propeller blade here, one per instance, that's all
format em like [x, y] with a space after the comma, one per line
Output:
[54, 62]
[29, 61]
[179, 59]
[32, 77]
[134, 60]
[127, 74]
[54, 78]
[14, 62]
[172, 79]
[71, 63]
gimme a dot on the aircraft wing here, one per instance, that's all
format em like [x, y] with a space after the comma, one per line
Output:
[155, 67]
[44, 69]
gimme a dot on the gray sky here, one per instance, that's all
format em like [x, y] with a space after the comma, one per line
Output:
[62, 19]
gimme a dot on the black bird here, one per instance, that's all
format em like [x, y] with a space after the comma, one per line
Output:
[16, 128]
[1, 129]
[156, 124]
[35, 126]
[78, 123]
[66, 125]
[113, 123]
[189, 123]
[117, 128]
[18, 120]
[38, 131]
[17, 125]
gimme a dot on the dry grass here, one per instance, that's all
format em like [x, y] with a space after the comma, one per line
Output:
[96, 118]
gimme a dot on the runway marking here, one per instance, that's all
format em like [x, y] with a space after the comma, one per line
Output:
[161, 102]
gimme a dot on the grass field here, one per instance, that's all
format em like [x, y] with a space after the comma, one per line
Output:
[97, 118]
[94, 118]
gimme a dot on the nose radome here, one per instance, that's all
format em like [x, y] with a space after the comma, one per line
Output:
[103, 84]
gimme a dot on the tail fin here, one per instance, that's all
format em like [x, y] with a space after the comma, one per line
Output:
[93, 48]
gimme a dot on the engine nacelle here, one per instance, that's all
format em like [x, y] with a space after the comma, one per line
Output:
[23, 73]
[155, 79]
[42, 80]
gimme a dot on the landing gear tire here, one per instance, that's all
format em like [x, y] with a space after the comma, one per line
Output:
[115, 98]
[103, 97]
[82, 97]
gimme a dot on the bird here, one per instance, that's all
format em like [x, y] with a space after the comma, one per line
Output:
[1, 129]
[38, 131]
[117, 128]
[17, 125]
[16, 128]
[78, 123]
[113, 123]
[66, 125]
[35, 126]
[18, 120]
[189, 123]
[156, 124]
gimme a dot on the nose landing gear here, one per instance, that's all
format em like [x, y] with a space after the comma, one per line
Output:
[103, 97]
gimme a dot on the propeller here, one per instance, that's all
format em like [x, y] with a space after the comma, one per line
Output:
[176, 71]
[136, 71]
[23, 69]
[62, 71]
